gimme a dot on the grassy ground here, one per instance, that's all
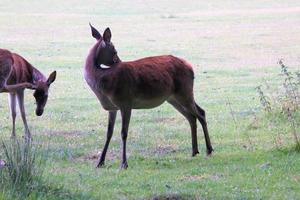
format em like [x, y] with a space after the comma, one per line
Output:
[233, 46]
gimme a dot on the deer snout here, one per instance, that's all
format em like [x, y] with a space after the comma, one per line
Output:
[39, 112]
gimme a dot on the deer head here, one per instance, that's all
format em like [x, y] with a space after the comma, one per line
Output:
[41, 93]
[106, 53]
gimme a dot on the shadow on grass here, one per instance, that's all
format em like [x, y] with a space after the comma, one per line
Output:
[51, 191]
[43, 190]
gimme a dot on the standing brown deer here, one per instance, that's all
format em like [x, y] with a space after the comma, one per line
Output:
[140, 84]
[16, 74]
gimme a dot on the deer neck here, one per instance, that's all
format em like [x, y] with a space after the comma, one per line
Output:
[91, 58]
[37, 75]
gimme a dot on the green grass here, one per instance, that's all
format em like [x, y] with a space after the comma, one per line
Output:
[233, 46]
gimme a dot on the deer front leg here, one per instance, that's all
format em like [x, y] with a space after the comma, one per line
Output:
[110, 129]
[20, 96]
[13, 103]
[17, 87]
[126, 113]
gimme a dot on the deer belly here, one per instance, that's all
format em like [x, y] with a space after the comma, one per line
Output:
[142, 103]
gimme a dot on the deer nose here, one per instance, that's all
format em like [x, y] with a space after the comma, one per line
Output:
[39, 112]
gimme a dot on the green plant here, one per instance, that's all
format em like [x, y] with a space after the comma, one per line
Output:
[285, 104]
[264, 100]
[293, 124]
[290, 97]
[23, 169]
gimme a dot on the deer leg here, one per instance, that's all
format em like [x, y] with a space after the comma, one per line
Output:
[5, 71]
[12, 103]
[17, 87]
[193, 124]
[20, 96]
[109, 133]
[2, 83]
[202, 118]
[14, 88]
[126, 113]
[189, 104]
[200, 114]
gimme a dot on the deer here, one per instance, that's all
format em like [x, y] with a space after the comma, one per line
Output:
[141, 84]
[16, 75]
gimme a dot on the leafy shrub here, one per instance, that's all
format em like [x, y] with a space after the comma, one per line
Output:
[283, 104]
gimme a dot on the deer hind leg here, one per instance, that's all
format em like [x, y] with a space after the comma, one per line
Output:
[189, 104]
[202, 119]
[192, 121]
[110, 130]
[13, 103]
[5, 70]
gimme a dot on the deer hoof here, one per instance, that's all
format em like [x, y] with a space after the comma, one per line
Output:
[100, 164]
[195, 153]
[209, 152]
[28, 139]
[124, 165]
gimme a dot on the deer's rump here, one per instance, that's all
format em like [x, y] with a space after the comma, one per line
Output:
[13, 68]
[6, 62]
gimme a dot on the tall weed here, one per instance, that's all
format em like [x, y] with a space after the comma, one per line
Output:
[22, 167]
[283, 104]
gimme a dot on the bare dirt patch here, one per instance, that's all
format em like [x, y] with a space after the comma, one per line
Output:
[65, 134]
[172, 197]
[164, 150]
[214, 177]
[95, 156]
[161, 150]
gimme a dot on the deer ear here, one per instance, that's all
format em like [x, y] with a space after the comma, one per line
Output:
[107, 35]
[95, 33]
[51, 78]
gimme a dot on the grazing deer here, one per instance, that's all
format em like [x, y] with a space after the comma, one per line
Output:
[140, 84]
[17, 74]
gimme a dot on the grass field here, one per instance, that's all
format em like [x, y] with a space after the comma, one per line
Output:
[234, 47]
